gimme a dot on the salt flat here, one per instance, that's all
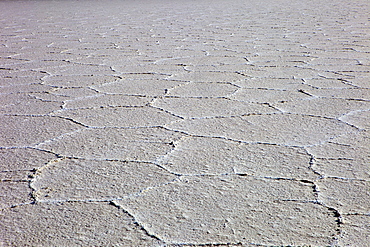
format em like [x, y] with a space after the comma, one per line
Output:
[184, 123]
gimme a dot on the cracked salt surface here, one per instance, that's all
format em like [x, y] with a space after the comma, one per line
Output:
[182, 124]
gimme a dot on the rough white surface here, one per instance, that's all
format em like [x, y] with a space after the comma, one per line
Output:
[184, 123]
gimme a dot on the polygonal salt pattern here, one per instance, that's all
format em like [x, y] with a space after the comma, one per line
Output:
[181, 124]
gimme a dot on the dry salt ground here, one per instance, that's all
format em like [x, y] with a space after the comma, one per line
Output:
[184, 123]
